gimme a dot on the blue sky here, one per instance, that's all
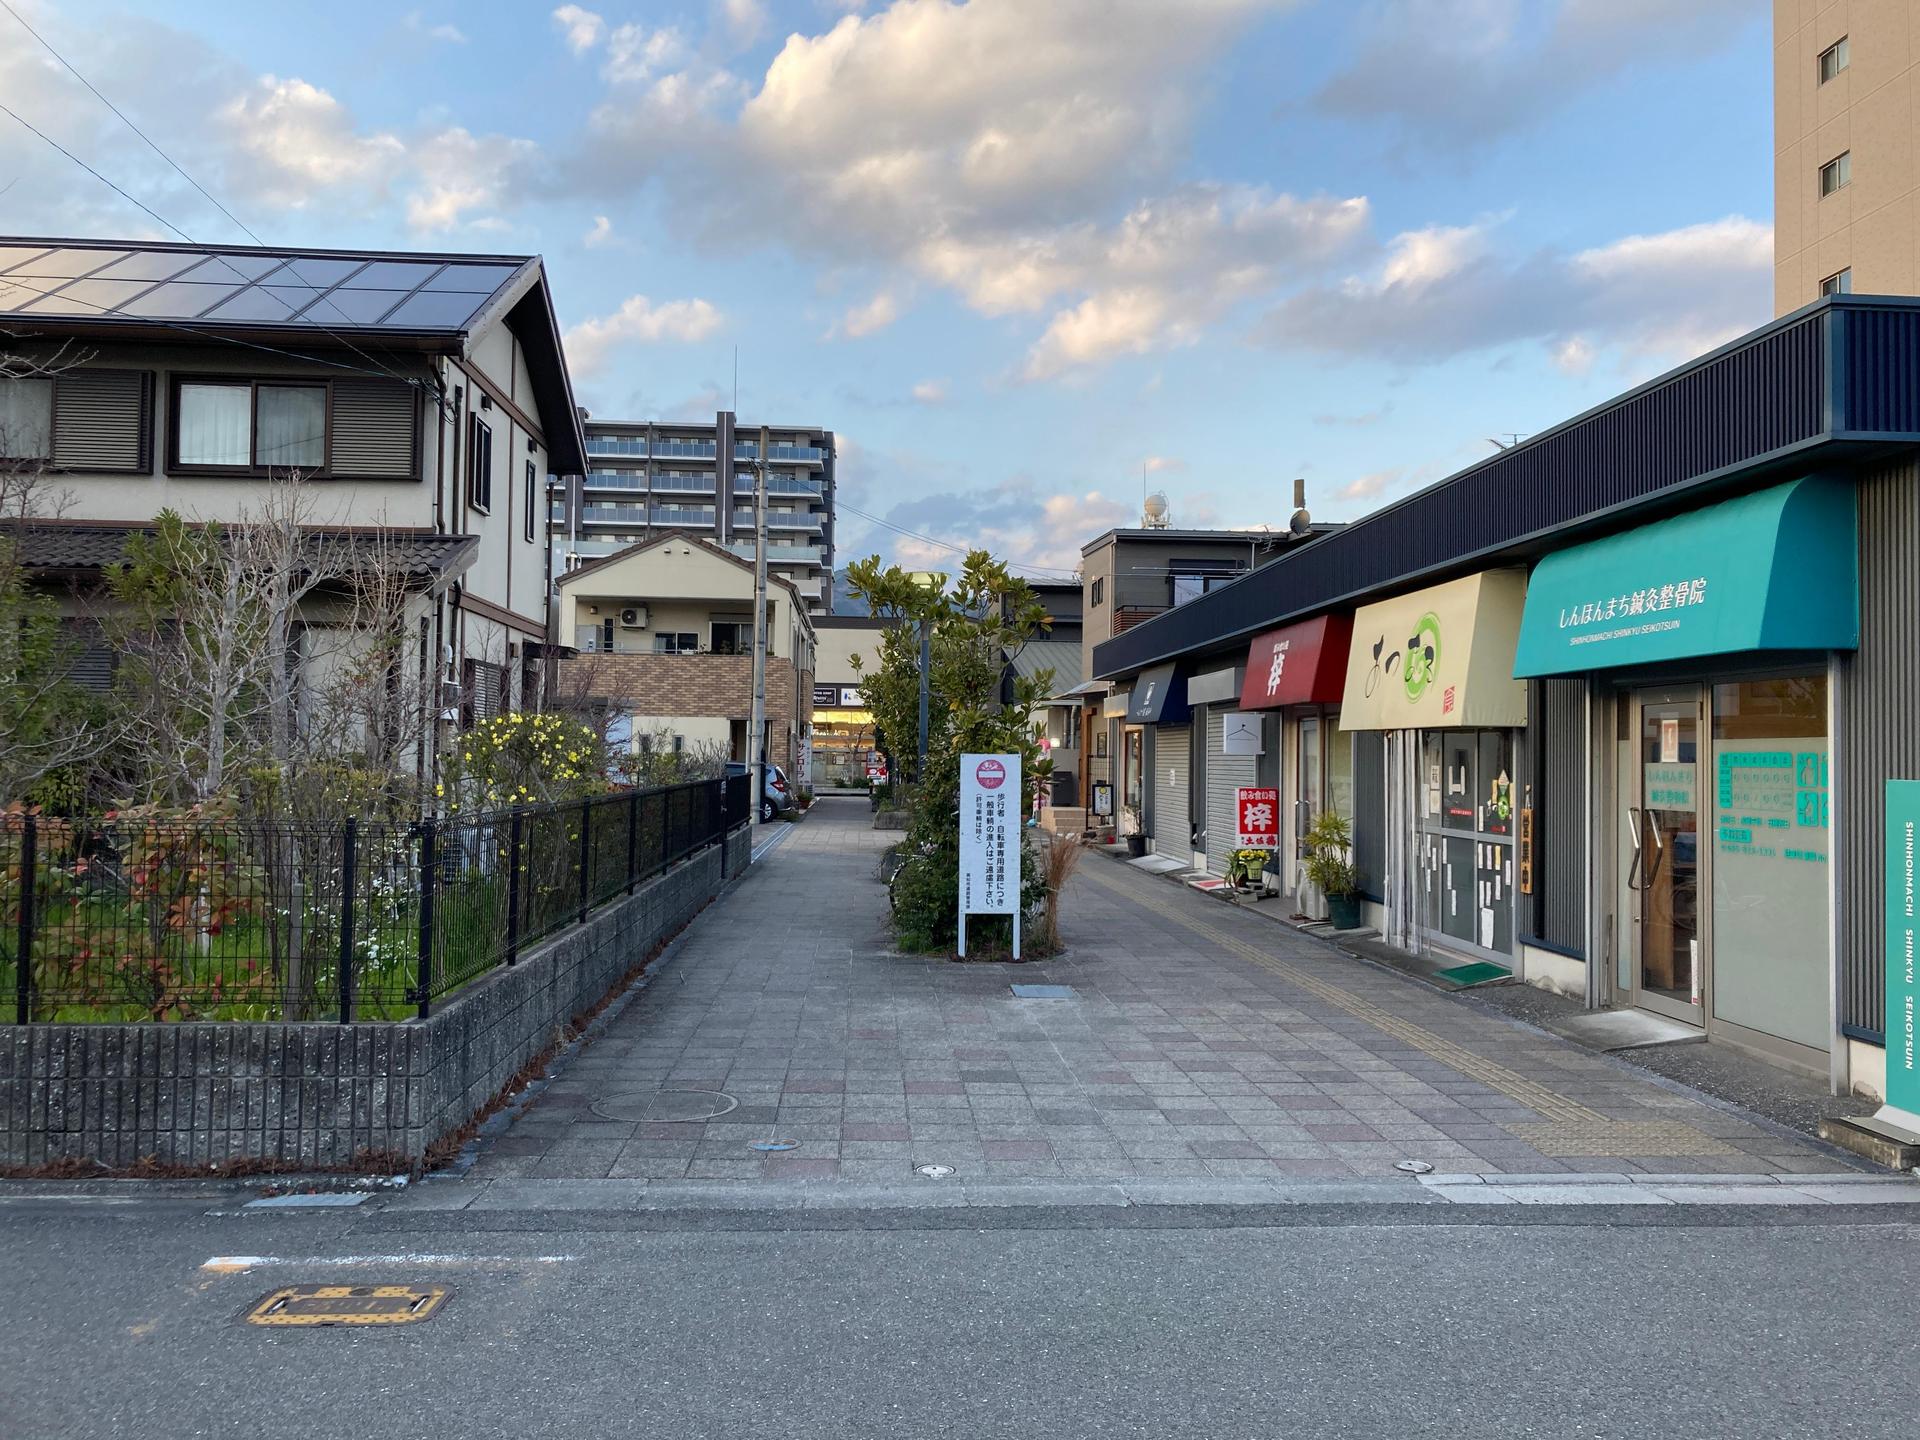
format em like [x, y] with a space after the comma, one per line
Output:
[1011, 251]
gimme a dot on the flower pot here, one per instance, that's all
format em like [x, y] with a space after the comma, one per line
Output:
[1136, 845]
[1344, 911]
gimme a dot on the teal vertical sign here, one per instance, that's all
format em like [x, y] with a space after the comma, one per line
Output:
[1903, 937]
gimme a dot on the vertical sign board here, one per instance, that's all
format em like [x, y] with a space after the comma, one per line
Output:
[1903, 996]
[990, 820]
[1257, 817]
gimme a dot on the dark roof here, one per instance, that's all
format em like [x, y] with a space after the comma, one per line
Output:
[1829, 384]
[81, 548]
[313, 298]
[1233, 537]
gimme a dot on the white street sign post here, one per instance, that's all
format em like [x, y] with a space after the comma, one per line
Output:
[990, 816]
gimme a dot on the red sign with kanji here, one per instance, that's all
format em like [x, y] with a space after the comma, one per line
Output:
[1257, 815]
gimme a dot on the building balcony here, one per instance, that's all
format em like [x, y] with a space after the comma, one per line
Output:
[688, 484]
[777, 520]
[1127, 616]
[778, 553]
[778, 485]
[802, 454]
[616, 480]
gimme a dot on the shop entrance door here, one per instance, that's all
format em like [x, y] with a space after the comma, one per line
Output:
[1666, 954]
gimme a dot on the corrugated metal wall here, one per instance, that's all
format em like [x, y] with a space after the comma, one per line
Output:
[1225, 774]
[1878, 736]
[1557, 764]
[1172, 815]
[1369, 810]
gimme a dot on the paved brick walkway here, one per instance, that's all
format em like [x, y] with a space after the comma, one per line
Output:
[1200, 1042]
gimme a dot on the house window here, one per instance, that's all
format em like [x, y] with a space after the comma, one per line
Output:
[1194, 578]
[1836, 172]
[480, 466]
[1838, 284]
[1099, 591]
[1833, 59]
[606, 636]
[733, 637]
[681, 642]
[26, 419]
[528, 491]
[250, 426]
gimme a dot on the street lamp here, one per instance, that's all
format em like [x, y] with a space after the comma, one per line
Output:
[934, 581]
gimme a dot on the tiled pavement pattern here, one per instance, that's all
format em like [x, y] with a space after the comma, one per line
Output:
[1201, 1043]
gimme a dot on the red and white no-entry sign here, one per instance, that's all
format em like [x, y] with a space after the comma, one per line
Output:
[991, 774]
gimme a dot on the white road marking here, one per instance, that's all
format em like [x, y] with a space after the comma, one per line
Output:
[233, 1264]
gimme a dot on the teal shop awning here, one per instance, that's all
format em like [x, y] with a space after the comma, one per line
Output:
[1776, 570]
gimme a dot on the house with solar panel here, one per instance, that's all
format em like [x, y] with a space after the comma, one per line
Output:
[427, 393]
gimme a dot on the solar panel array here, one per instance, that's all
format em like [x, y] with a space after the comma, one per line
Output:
[246, 287]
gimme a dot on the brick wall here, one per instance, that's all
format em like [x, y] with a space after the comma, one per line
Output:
[318, 1093]
[717, 686]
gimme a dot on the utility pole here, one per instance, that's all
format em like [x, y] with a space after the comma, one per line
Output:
[757, 742]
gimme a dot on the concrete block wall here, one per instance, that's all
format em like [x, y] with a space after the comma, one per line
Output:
[318, 1094]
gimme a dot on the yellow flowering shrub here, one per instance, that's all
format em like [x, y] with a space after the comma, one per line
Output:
[523, 759]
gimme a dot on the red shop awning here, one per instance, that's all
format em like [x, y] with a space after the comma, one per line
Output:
[1301, 664]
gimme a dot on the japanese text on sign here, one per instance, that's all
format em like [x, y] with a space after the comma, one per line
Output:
[990, 821]
[1257, 809]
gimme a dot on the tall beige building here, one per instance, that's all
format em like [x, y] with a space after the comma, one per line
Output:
[1846, 148]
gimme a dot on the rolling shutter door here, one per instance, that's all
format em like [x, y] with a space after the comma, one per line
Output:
[375, 430]
[1225, 774]
[100, 421]
[1172, 818]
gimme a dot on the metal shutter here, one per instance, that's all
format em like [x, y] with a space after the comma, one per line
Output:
[100, 421]
[1225, 774]
[1172, 820]
[374, 430]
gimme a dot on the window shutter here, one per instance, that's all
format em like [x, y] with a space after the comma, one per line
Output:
[100, 421]
[375, 430]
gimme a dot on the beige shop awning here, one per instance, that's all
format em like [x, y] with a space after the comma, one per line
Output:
[1440, 658]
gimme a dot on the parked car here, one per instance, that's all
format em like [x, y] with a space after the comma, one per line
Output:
[776, 796]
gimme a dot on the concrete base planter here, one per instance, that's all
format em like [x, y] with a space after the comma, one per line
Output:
[319, 1094]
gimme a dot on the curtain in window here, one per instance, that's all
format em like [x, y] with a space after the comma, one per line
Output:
[215, 424]
[26, 419]
[293, 426]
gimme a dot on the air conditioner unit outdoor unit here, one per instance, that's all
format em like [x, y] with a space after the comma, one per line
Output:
[634, 617]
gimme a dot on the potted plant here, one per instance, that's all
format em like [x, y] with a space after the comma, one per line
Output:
[1136, 838]
[1329, 846]
[1246, 866]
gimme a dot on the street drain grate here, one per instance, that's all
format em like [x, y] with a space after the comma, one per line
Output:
[774, 1147]
[302, 1307]
[668, 1106]
[1042, 992]
[933, 1172]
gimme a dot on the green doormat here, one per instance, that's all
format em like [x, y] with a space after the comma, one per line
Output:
[1478, 973]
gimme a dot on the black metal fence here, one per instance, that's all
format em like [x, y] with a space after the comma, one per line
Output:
[125, 919]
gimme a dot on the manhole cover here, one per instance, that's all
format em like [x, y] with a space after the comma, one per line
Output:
[774, 1146]
[933, 1172]
[1413, 1167]
[305, 1306]
[665, 1105]
[1043, 992]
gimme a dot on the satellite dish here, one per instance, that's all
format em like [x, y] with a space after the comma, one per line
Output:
[1153, 511]
[1300, 523]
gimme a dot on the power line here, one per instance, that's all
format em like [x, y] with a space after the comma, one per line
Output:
[1042, 570]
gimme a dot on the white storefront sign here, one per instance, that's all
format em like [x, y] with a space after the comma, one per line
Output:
[990, 818]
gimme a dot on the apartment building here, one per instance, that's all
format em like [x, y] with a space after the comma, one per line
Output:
[426, 394]
[1846, 124]
[645, 477]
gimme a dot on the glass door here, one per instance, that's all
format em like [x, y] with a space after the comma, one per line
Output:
[1308, 803]
[1660, 813]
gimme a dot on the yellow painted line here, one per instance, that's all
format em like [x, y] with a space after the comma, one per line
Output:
[1490, 1073]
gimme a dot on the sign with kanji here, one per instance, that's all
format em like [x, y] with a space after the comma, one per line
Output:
[1256, 811]
[990, 820]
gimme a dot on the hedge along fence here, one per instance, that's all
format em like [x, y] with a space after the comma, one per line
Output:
[131, 919]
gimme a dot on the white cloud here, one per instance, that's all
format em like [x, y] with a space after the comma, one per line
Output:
[582, 28]
[1156, 464]
[301, 140]
[931, 392]
[601, 233]
[872, 317]
[1657, 298]
[636, 54]
[638, 321]
[446, 31]
[1367, 487]
[744, 20]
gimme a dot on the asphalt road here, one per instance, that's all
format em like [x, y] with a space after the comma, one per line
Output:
[1314, 1321]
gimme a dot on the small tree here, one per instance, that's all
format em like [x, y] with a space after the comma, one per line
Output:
[978, 624]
